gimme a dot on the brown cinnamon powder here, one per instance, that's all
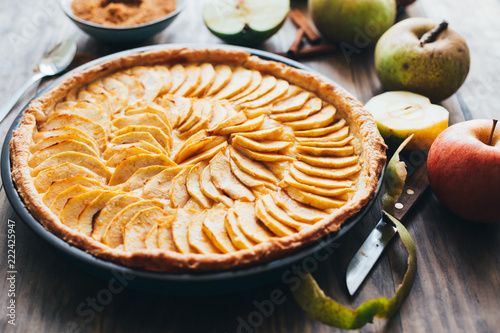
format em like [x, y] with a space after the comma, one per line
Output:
[122, 13]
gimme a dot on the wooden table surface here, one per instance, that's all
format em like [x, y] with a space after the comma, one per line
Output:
[457, 287]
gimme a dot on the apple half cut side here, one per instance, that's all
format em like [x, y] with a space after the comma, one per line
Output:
[400, 113]
[245, 22]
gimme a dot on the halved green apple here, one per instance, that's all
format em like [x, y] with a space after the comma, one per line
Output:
[245, 22]
[400, 113]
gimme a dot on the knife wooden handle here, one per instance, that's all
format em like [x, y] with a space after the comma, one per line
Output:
[413, 189]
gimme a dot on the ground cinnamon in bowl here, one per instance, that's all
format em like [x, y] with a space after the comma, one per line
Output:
[122, 13]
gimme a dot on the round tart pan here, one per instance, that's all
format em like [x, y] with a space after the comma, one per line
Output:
[186, 284]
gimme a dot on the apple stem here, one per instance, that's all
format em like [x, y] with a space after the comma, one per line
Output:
[490, 141]
[431, 35]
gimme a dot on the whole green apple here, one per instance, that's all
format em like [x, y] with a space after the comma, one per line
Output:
[435, 69]
[357, 22]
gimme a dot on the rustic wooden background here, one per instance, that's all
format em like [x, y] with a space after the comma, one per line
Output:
[457, 288]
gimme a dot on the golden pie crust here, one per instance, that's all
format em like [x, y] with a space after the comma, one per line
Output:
[306, 139]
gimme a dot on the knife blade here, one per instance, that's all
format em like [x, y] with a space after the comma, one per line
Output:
[374, 245]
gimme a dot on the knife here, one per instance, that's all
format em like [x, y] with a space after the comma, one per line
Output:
[368, 254]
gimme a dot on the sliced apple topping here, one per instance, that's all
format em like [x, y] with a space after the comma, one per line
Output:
[198, 159]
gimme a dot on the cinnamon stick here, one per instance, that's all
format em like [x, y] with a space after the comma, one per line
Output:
[300, 21]
[294, 49]
[316, 50]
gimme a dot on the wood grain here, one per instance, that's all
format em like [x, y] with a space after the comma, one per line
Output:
[458, 279]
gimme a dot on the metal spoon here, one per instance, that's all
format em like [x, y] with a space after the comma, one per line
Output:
[54, 62]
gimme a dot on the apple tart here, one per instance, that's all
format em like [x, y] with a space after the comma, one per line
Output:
[195, 159]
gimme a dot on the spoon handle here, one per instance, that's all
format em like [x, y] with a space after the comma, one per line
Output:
[7, 107]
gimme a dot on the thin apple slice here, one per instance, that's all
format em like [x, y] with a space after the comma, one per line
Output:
[207, 79]
[141, 176]
[326, 152]
[224, 179]
[223, 75]
[339, 135]
[147, 119]
[238, 238]
[133, 138]
[267, 134]
[261, 146]
[130, 165]
[233, 120]
[165, 236]
[240, 80]
[87, 126]
[59, 186]
[342, 173]
[163, 75]
[115, 149]
[193, 79]
[321, 131]
[314, 200]
[327, 144]
[178, 73]
[197, 238]
[49, 141]
[279, 90]
[163, 140]
[86, 218]
[208, 188]
[254, 84]
[109, 211]
[251, 167]
[280, 215]
[193, 118]
[267, 84]
[329, 162]
[151, 80]
[318, 181]
[278, 228]
[317, 120]
[262, 156]
[206, 115]
[193, 185]
[62, 198]
[178, 192]
[48, 176]
[149, 108]
[248, 179]
[184, 108]
[151, 241]
[123, 154]
[74, 207]
[319, 190]
[191, 146]
[180, 227]
[311, 107]
[291, 104]
[113, 236]
[214, 228]
[136, 231]
[247, 126]
[249, 224]
[297, 210]
[205, 155]
[219, 114]
[159, 185]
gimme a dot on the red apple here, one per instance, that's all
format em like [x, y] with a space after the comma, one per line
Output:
[464, 170]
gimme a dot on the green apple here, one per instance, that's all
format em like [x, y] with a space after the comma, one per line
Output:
[435, 69]
[400, 114]
[356, 22]
[245, 22]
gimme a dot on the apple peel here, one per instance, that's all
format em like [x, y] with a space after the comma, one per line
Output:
[313, 300]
